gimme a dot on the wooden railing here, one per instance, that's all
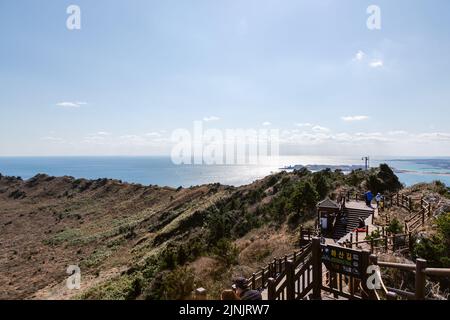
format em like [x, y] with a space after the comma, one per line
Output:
[421, 272]
[306, 235]
[295, 281]
[276, 269]
[398, 200]
[385, 243]
[416, 220]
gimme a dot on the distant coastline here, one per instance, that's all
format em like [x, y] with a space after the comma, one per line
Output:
[161, 171]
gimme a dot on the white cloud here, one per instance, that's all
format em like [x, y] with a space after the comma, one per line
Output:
[67, 104]
[435, 136]
[359, 55]
[153, 134]
[266, 124]
[376, 64]
[354, 118]
[54, 139]
[306, 124]
[397, 132]
[103, 133]
[320, 129]
[212, 118]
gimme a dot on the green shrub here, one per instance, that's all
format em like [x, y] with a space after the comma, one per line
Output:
[126, 287]
[375, 235]
[226, 251]
[321, 183]
[305, 197]
[171, 285]
[436, 250]
[395, 227]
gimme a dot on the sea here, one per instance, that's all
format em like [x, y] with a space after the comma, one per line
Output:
[163, 172]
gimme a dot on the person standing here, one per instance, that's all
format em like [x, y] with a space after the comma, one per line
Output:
[378, 199]
[369, 197]
[240, 286]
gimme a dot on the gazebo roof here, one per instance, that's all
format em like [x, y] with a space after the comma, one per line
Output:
[328, 203]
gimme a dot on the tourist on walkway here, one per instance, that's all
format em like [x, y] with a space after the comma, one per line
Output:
[378, 199]
[368, 196]
[240, 286]
[361, 223]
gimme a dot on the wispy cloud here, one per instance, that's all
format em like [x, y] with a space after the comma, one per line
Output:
[359, 56]
[53, 139]
[301, 125]
[103, 133]
[376, 63]
[320, 129]
[67, 104]
[153, 134]
[267, 123]
[354, 118]
[211, 118]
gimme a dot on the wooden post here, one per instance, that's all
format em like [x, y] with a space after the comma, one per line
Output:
[351, 240]
[253, 281]
[421, 264]
[200, 294]
[290, 281]
[262, 278]
[364, 276]
[301, 235]
[371, 245]
[410, 241]
[367, 231]
[317, 268]
[271, 289]
[274, 268]
[357, 237]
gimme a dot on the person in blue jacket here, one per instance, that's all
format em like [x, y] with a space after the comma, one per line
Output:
[369, 197]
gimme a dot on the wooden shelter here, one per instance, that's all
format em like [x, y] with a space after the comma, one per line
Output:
[327, 211]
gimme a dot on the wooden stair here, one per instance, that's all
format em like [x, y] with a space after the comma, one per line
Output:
[353, 213]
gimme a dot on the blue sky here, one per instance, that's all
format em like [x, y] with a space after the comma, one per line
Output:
[139, 69]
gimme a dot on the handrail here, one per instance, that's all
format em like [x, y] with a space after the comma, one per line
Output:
[443, 272]
[400, 266]
[403, 293]
[277, 269]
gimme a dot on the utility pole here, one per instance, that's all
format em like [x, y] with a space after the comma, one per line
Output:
[366, 162]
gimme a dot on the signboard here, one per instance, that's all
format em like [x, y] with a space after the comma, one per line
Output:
[343, 260]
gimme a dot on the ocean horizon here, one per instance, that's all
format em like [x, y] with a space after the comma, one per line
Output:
[160, 170]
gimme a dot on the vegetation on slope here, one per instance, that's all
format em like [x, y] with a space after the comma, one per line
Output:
[138, 242]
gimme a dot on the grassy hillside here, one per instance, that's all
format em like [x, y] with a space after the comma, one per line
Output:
[147, 242]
